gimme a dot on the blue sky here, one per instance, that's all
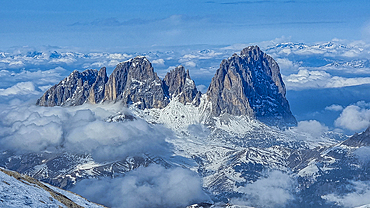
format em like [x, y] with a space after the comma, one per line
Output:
[142, 25]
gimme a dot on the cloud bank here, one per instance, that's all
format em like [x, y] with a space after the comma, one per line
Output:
[359, 196]
[80, 130]
[152, 186]
[21, 88]
[354, 117]
[306, 79]
[363, 154]
[276, 190]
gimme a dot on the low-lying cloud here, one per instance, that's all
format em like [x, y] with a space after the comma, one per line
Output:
[310, 131]
[21, 88]
[80, 130]
[363, 154]
[152, 186]
[276, 190]
[354, 117]
[306, 79]
[334, 107]
[360, 195]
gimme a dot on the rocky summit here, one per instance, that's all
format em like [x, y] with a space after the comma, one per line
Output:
[178, 83]
[135, 82]
[246, 84]
[76, 89]
[250, 84]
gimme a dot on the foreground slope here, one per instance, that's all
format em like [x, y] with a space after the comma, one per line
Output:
[23, 191]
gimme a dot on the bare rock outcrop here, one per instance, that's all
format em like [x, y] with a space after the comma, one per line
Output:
[359, 140]
[135, 82]
[178, 84]
[75, 89]
[250, 84]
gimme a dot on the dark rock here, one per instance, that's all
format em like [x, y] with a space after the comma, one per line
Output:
[250, 84]
[358, 140]
[71, 91]
[97, 90]
[135, 82]
[178, 84]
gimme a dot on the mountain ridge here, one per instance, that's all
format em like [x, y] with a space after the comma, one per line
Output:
[246, 84]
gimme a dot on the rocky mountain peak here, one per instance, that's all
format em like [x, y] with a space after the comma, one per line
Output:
[132, 82]
[178, 84]
[135, 82]
[73, 90]
[250, 84]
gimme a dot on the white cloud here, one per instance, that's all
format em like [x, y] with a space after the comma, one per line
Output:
[334, 107]
[202, 88]
[158, 61]
[81, 130]
[354, 117]
[152, 186]
[39, 77]
[313, 127]
[21, 88]
[363, 154]
[306, 79]
[286, 64]
[190, 56]
[360, 196]
[236, 47]
[16, 64]
[274, 191]
[67, 60]
[113, 63]
[335, 48]
[120, 56]
[190, 64]
[98, 64]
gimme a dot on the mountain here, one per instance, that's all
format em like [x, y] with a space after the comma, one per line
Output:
[359, 140]
[23, 191]
[250, 84]
[135, 82]
[247, 84]
[76, 89]
[178, 84]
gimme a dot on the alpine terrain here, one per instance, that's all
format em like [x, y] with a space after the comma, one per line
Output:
[239, 137]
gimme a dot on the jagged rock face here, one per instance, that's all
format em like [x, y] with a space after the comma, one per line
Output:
[97, 90]
[178, 83]
[359, 140]
[132, 82]
[135, 82]
[246, 84]
[250, 84]
[74, 89]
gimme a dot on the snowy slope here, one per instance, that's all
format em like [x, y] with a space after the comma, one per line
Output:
[21, 191]
[229, 151]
